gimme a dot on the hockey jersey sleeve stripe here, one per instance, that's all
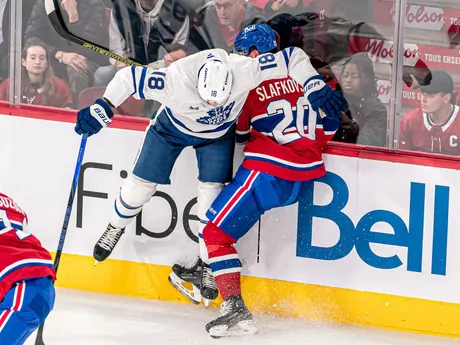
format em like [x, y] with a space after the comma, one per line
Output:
[23, 263]
[16, 225]
[286, 57]
[133, 73]
[259, 117]
[141, 83]
[283, 163]
[4, 231]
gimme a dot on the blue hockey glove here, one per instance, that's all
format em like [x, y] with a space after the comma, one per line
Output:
[324, 99]
[91, 119]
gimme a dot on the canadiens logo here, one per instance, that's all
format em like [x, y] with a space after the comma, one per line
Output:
[217, 116]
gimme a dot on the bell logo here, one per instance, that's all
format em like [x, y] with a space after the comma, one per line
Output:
[362, 237]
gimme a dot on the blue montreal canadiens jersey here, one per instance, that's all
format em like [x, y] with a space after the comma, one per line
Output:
[175, 87]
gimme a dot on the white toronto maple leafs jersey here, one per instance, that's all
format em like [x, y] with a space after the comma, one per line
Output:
[175, 87]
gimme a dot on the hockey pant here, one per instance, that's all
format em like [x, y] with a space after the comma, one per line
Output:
[162, 144]
[135, 192]
[234, 213]
[24, 308]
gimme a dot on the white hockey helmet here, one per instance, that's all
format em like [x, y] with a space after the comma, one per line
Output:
[214, 83]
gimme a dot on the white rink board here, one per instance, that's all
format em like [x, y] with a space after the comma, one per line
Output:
[41, 159]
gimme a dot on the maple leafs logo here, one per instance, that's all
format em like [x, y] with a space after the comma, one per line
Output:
[217, 116]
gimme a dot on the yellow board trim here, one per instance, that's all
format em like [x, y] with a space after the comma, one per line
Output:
[314, 302]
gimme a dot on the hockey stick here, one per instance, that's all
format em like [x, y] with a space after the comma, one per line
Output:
[73, 189]
[57, 21]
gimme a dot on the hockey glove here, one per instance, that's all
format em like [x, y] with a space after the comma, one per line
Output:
[324, 99]
[91, 119]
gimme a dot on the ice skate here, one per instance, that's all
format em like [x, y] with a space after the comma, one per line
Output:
[107, 243]
[236, 320]
[187, 280]
[208, 289]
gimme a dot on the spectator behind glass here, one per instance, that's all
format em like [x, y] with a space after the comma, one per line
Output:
[435, 127]
[174, 52]
[71, 61]
[273, 7]
[39, 85]
[289, 30]
[359, 86]
[222, 20]
[5, 22]
[146, 25]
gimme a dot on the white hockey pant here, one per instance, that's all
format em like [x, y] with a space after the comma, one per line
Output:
[207, 192]
[134, 193]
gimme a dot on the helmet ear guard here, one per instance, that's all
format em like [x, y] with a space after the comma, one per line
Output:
[214, 82]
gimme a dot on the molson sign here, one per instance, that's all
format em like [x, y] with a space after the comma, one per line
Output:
[419, 16]
[415, 55]
[383, 51]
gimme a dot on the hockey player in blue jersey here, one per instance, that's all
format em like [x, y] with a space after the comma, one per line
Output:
[201, 97]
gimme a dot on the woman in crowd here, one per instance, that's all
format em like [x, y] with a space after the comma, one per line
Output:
[366, 110]
[39, 85]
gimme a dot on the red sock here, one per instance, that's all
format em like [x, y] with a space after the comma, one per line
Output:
[224, 260]
[229, 285]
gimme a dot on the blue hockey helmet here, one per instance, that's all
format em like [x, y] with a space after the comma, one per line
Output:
[260, 36]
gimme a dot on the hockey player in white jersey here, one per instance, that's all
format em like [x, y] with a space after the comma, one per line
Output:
[201, 97]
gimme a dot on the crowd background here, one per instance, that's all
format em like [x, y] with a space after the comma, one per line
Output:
[398, 67]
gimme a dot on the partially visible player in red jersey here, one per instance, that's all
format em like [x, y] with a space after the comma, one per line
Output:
[284, 150]
[26, 277]
[435, 126]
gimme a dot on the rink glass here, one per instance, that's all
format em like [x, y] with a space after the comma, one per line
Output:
[403, 39]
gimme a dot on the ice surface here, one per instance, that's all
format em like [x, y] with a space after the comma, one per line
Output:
[86, 318]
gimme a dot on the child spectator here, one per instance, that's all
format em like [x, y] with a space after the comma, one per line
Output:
[39, 85]
[435, 126]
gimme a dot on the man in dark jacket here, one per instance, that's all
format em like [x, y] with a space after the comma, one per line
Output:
[71, 61]
[221, 20]
[141, 29]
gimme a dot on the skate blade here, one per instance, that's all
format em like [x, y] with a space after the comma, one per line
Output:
[193, 295]
[241, 328]
[206, 302]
